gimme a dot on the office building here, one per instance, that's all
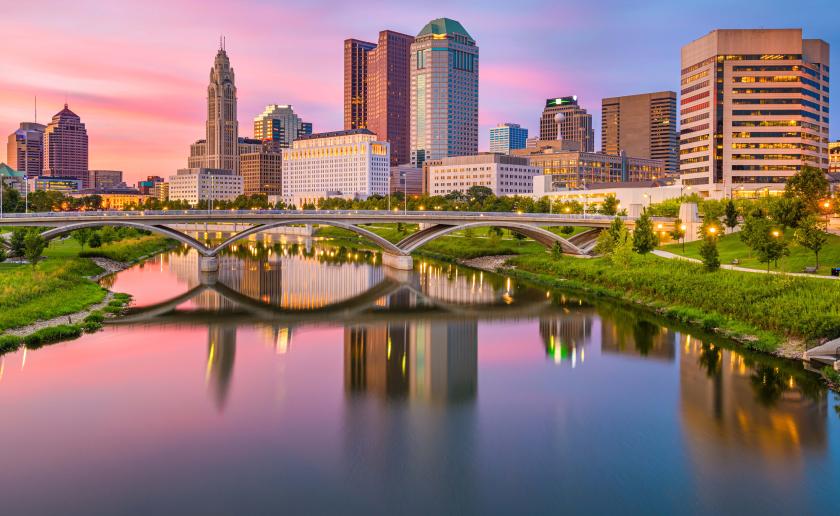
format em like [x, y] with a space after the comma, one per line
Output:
[262, 170]
[504, 175]
[279, 124]
[350, 163]
[220, 148]
[25, 149]
[444, 92]
[563, 119]
[161, 191]
[506, 137]
[56, 184]
[644, 126]
[406, 179]
[147, 186]
[388, 93]
[355, 83]
[834, 156]
[203, 184]
[101, 179]
[754, 110]
[66, 147]
[570, 168]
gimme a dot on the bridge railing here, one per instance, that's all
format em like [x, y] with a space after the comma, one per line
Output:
[426, 214]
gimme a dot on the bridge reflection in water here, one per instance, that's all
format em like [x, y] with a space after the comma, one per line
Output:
[413, 336]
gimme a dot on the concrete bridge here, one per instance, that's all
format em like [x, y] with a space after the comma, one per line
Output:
[433, 224]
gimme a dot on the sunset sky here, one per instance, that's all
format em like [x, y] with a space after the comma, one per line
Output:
[136, 72]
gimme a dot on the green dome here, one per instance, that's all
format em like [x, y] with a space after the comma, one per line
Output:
[444, 26]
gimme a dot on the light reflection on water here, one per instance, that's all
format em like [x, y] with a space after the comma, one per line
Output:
[309, 379]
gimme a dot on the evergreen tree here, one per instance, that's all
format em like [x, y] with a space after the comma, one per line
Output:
[17, 242]
[644, 237]
[730, 216]
[709, 253]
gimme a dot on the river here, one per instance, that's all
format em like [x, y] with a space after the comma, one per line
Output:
[308, 379]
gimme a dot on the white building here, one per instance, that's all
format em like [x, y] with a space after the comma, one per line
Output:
[632, 196]
[505, 175]
[197, 184]
[341, 163]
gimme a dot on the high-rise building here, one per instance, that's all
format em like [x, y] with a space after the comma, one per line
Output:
[220, 148]
[350, 163]
[644, 126]
[444, 92]
[834, 156]
[66, 146]
[564, 119]
[388, 94]
[355, 83]
[754, 110]
[506, 137]
[25, 149]
[104, 179]
[279, 123]
[262, 170]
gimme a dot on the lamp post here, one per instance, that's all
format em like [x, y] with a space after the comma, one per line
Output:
[682, 236]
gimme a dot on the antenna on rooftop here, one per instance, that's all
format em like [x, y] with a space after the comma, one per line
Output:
[36, 109]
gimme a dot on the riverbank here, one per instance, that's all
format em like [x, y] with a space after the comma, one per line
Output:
[60, 297]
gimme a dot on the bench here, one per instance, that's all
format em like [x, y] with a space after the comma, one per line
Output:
[810, 270]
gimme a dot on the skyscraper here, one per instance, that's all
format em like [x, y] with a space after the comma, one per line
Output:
[754, 108]
[220, 149]
[506, 137]
[388, 94]
[444, 92]
[279, 123]
[25, 149]
[262, 170]
[355, 83]
[66, 146]
[564, 119]
[644, 125]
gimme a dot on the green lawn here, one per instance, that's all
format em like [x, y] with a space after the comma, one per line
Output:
[59, 284]
[730, 248]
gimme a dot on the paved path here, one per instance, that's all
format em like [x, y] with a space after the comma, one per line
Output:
[672, 256]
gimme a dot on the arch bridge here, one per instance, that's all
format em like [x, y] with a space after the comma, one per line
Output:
[433, 224]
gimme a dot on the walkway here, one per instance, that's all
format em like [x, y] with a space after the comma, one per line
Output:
[672, 256]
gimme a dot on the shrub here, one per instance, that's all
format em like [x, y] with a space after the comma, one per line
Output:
[9, 343]
[52, 334]
[709, 254]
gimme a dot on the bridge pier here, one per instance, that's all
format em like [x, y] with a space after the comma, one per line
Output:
[401, 262]
[208, 264]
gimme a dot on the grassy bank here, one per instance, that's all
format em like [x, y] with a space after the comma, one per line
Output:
[59, 284]
[731, 248]
[771, 308]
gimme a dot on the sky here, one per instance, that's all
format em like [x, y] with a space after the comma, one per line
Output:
[136, 72]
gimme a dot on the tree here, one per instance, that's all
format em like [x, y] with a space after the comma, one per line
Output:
[556, 251]
[82, 236]
[644, 238]
[608, 238]
[479, 193]
[808, 185]
[34, 245]
[622, 254]
[810, 234]
[16, 243]
[730, 215]
[609, 206]
[567, 230]
[709, 253]
[678, 233]
[788, 211]
[95, 240]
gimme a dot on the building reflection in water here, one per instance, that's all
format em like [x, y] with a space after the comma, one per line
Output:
[434, 361]
[626, 333]
[565, 337]
[221, 354]
[729, 401]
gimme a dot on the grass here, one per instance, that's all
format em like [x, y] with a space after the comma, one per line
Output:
[767, 307]
[730, 248]
[59, 285]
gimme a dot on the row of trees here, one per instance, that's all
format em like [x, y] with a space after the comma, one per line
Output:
[23, 243]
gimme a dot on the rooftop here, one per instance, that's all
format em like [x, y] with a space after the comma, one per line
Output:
[444, 26]
[7, 171]
[334, 134]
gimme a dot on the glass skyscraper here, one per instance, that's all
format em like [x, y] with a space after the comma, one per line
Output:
[506, 137]
[444, 92]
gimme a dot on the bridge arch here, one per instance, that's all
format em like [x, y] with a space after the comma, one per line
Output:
[540, 235]
[381, 242]
[160, 230]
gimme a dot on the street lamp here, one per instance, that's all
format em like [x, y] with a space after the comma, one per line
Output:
[682, 235]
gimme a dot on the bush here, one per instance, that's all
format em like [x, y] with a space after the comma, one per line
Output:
[9, 343]
[52, 334]
[831, 375]
[96, 316]
[709, 254]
